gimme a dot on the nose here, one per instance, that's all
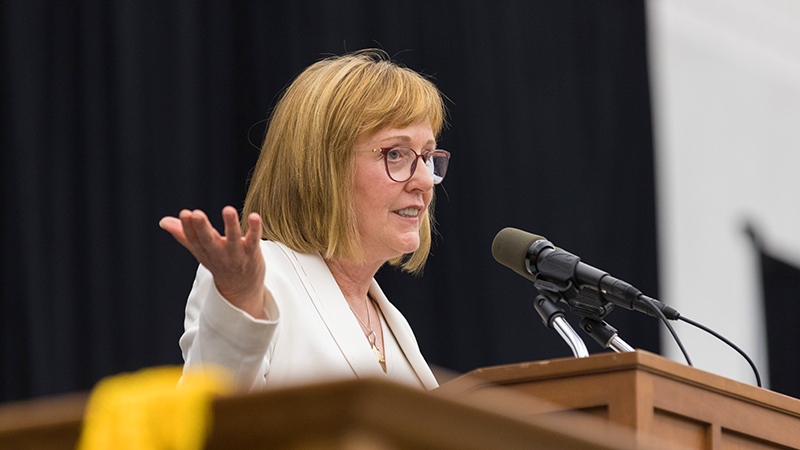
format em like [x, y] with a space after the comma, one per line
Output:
[421, 178]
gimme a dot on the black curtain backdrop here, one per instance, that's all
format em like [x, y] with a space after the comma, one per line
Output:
[116, 113]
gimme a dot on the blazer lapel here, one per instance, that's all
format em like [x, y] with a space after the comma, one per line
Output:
[335, 312]
[405, 337]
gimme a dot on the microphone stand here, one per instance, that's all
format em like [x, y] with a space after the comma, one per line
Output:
[605, 335]
[587, 304]
[546, 305]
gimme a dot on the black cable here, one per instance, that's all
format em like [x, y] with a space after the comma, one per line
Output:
[723, 339]
[663, 318]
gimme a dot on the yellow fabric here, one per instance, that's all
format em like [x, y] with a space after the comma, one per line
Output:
[146, 411]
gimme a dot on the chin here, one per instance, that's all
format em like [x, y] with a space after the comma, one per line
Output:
[407, 244]
[410, 248]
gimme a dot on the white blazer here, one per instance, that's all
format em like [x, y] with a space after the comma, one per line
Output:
[311, 335]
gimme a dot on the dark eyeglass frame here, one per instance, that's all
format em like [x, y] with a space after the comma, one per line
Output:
[425, 155]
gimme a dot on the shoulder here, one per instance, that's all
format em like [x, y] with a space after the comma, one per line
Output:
[280, 251]
[272, 248]
[280, 258]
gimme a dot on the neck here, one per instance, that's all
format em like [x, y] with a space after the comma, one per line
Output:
[353, 279]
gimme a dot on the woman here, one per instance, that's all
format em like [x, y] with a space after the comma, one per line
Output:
[344, 184]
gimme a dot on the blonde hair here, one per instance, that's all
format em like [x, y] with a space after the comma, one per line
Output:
[303, 182]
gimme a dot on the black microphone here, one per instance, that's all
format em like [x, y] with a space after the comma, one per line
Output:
[538, 260]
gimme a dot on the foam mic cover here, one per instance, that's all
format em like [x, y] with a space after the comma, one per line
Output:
[510, 248]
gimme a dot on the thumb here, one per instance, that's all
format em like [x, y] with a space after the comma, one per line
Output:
[174, 227]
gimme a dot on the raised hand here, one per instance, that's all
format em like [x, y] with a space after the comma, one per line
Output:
[235, 261]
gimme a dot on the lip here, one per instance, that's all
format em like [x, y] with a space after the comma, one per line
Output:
[417, 207]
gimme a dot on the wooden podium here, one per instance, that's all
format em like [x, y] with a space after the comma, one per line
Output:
[634, 401]
[653, 396]
[350, 415]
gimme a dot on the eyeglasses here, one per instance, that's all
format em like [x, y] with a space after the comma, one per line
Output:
[401, 162]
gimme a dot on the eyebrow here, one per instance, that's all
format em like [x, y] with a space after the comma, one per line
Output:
[406, 138]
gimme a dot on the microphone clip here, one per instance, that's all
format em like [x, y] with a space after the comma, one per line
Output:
[584, 302]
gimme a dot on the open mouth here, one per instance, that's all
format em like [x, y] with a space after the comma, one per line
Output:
[407, 212]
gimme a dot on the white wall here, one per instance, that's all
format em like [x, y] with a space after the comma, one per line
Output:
[725, 77]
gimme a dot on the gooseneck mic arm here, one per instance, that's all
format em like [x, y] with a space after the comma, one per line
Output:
[553, 317]
[605, 335]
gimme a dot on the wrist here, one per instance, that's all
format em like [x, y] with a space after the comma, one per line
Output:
[252, 303]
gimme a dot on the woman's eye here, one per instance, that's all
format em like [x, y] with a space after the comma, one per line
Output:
[393, 155]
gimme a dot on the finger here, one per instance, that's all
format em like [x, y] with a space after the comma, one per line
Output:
[232, 231]
[253, 235]
[188, 228]
[207, 236]
[174, 227]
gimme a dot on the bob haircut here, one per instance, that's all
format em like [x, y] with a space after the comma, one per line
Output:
[302, 185]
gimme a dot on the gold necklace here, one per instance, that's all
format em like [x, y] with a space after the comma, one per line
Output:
[371, 336]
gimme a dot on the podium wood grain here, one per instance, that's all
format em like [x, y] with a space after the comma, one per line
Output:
[631, 401]
[649, 394]
[358, 414]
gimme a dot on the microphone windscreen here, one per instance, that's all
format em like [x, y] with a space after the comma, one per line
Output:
[510, 248]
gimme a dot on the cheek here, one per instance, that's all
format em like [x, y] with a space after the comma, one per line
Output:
[364, 190]
[371, 208]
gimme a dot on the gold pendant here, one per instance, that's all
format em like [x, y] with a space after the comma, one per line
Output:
[381, 358]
